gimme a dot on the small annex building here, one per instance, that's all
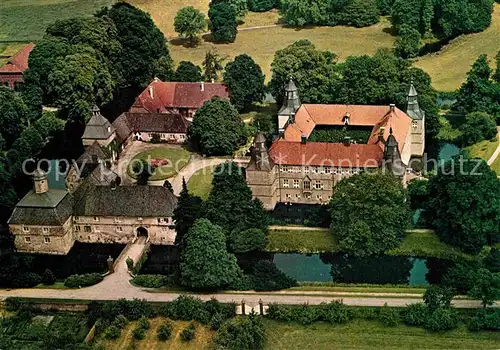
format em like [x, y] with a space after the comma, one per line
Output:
[11, 73]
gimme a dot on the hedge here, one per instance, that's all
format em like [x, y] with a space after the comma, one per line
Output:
[77, 281]
[153, 281]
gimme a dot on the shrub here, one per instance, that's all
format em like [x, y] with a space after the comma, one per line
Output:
[305, 314]
[112, 332]
[336, 312]
[164, 331]
[241, 333]
[135, 309]
[48, 277]
[261, 5]
[184, 308]
[266, 276]
[13, 304]
[213, 306]
[109, 310]
[442, 320]
[478, 126]
[366, 313]
[130, 264]
[415, 314]
[488, 319]
[388, 316]
[26, 280]
[153, 281]
[216, 321]
[155, 138]
[279, 312]
[139, 333]
[120, 321]
[247, 240]
[77, 281]
[189, 332]
[143, 323]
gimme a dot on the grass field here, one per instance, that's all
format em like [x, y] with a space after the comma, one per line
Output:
[416, 243]
[177, 159]
[201, 341]
[449, 66]
[200, 183]
[483, 149]
[27, 19]
[362, 334]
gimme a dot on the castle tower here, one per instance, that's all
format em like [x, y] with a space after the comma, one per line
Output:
[392, 156]
[261, 174]
[291, 103]
[417, 124]
[98, 129]
[40, 181]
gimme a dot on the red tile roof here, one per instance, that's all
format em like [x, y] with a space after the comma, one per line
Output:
[19, 62]
[327, 154]
[159, 96]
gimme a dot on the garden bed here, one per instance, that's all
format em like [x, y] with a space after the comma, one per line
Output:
[177, 158]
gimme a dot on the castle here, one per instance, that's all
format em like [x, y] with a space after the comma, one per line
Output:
[296, 169]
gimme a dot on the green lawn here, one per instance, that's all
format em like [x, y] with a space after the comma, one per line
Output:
[27, 19]
[270, 109]
[200, 183]
[448, 132]
[363, 334]
[178, 158]
[357, 288]
[496, 166]
[483, 149]
[416, 243]
[57, 285]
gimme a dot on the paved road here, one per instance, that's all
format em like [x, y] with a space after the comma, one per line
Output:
[497, 151]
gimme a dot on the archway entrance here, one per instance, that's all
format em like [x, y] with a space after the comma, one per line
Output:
[141, 232]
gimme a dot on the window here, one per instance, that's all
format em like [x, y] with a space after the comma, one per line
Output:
[328, 170]
[297, 196]
[306, 184]
[182, 137]
[96, 218]
[27, 239]
[414, 124]
[109, 129]
[318, 185]
[139, 218]
[119, 229]
[77, 218]
[97, 228]
[167, 220]
[306, 170]
[308, 196]
[296, 183]
[118, 219]
[46, 239]
[319, 197]
[164, 229]
[285, 184]
[314, 170]
[291, 169]
[288, 196]
[77, 228]
[26, 229]
[87, 228]
[45, 229]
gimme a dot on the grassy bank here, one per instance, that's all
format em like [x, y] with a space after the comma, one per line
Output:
[200, 183]
[357, 288]
[363, 334]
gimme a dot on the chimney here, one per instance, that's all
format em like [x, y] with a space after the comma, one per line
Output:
[303, 139]
[202, 86]
[151, 94]
[392, 106]
[40, 181]
[113, 185]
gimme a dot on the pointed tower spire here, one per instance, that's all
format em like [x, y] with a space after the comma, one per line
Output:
[260, 159]
[291, 103]
[413, 109]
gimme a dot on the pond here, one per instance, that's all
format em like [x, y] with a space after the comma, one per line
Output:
[447, 151]
[346, 269]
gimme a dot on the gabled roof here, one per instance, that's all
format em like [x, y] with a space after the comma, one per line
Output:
[157, 122]
[19, 62]
[93, 151]
[98, 127]
[133, 201]
[161, 95]
[325, 153]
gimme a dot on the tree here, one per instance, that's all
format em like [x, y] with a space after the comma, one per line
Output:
[230, 203]
[189, 23]
[13, 116]
[478, 93]
[245, 81]
[496, 76]
[242, 333]
[408, 42]
[492, 261]
[464, 204]
[8, 197]
[188, 72]
[486, 287]
[142, 43]
[437, 297]
[48, 277]
[163, 68]
[478, 126]
[212, 65]
[168, 186]
[223, 22]
[247, 240]
[360, 13]
[266, 276]
[300, 12]
[240, 7]
[418, 192]
[369, 213]
[205, 262]
[217, 128]
[385, 6]
[416, 14]
[143, 171]
[464, 16]
[261, 5]
[313, 72]
[188, 210]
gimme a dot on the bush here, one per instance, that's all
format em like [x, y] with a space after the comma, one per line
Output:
[305, 314]
[164, 331]
[13, 304]
[247, 240]
[48, 277]
[189, 332]
[241, 333]
[366, 313]
[478, 126]
[336, 313]
[415, 314]
[261, 5]
[26, 280]
[442, 320]
[216, 321]
[388, 316]
[139, 333]
[266, 276]
[279, 312]
[408, 42]
[155, 138]
[120, 321]
[109, 310]
[112, 332]
[153, 281]
[135, 309]
[143, 323]
[488, 319]
[130, 264]
[77, 281]
[184, 308]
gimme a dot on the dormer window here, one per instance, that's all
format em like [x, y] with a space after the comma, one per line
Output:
[345, 119]
[96, 218]
[45, 229]
[109, 129]
[26, 229]
[414, 124]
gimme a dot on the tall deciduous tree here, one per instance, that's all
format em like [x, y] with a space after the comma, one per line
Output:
[486, 286]
[464, 205]
[369, 213]
[188, 210]
[143, 171]
[360, 13]
[245, 81]
[13, 116]
[188, 72]
[189, 23]
[217, 128]
[408, 42]
[223, 22]
[478, 126]
[205, 262]
[313, 72]
[212, 65]
[261, 5]
[464, 16]
[230, 203]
